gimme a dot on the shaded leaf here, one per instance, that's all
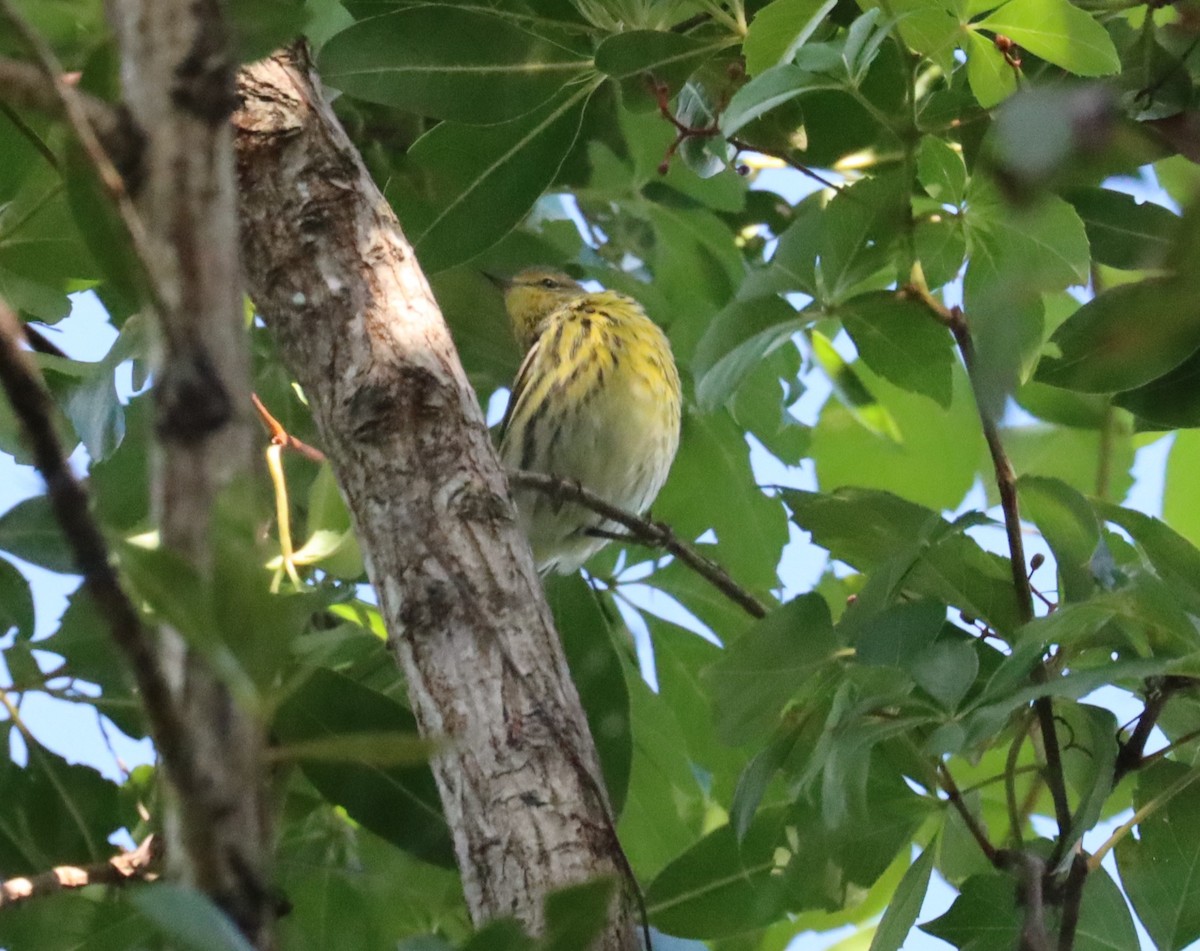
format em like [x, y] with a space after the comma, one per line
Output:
[464, 65]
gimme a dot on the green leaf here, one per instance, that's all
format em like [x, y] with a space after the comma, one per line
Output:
[764, 668]
[708, 489]
[188, 917]
[991, 78]
[486, 179]
[767, 91]
[1069, 525]
[946, 671]
[735, 343]
[367, 749]
[917, 466]
[779, 29]
[1175, 559]
[454, 63]
[1181, 506]
[55, 813]
[1059, 33]
[877, 531]
[397, 803]
[898, 339]
[30, 531]
[1169, 402]
[669, 57]
[16, 601]
[941, 171]
[587, 640]
[905, 905]
[576, 915]
[721, 885]
[1125, 337]
[1158, 868]
[1123, 232]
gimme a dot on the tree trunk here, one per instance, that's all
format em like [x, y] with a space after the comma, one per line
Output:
[178, 83]
[333, 275]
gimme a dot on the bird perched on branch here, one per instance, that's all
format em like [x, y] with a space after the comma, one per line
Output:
[596, 401]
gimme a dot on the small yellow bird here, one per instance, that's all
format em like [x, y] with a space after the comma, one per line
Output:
[596, 401]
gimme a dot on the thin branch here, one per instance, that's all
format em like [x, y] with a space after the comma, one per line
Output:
[76, 113]
[34, 406]
[1131, 755]
[1152, 758]
[281, 437]
[643, 531]
[140, 865]
[955, 798]
[743, 146]
[1006, 483]
[26, 86]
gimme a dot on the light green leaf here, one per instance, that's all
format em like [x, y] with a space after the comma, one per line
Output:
[991, 78]
[779, 29]
[906, 903]
[941, 171]
[1059, 33]
[449, 62]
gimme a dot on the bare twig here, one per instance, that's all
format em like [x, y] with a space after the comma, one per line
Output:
[140, 865]
[643, 531]
[1131, 755]
[34, 406]
[281, 437]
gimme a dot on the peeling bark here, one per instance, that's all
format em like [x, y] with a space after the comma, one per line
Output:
[334, 277]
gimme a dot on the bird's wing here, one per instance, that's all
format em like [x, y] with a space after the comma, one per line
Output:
[520, 385]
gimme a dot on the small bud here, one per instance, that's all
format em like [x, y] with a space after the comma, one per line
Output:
[851, 599]
[966, 618]
[663, 167]
[1037, 561]
[743, 170]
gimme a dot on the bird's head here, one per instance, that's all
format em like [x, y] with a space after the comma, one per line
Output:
[533, 295]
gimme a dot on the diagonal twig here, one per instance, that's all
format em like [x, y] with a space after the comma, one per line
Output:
[643, 531]
[140, 865]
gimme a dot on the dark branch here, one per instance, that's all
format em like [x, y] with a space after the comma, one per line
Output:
[140, 865]
[644, 532]
[34, 407]
[1006, 483]
[955, 798]
[1132, 754]
[1030, 871]
[1072, 899]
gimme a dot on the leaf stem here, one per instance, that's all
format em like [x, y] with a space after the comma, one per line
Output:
[1142, 814]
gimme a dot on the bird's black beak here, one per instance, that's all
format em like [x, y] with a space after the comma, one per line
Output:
[503, 283]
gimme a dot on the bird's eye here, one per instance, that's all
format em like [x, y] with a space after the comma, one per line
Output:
[549, 282]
